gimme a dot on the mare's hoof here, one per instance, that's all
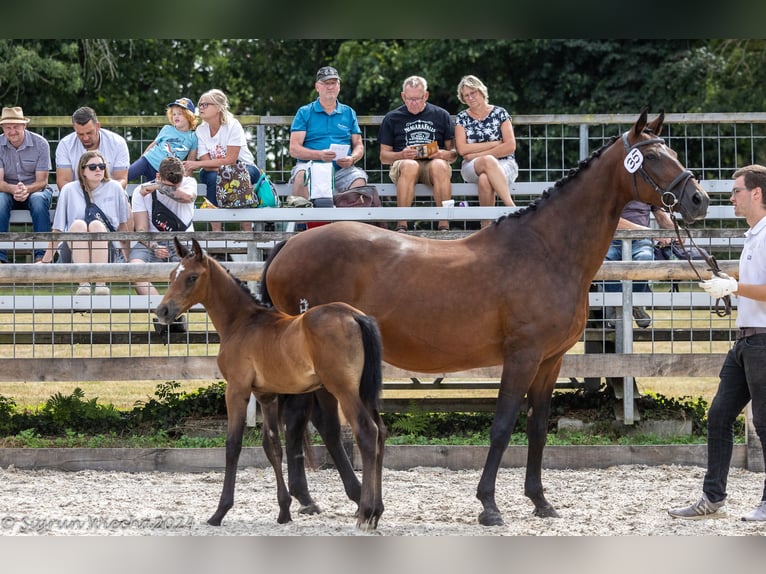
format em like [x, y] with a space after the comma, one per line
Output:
[546, 512]
[213, 521]
[368, 525]
[491, 518]
[312, 508]
[284, 517]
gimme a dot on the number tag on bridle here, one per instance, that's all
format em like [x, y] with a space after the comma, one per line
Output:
[634, 160]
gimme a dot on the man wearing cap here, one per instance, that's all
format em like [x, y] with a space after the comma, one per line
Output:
[320, 124]
[88, 135]
[25, 161]
[177, 139]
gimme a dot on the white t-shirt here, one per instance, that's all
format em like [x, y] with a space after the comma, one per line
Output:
[185, 211]
[112, 146]
[752, 271]
[230, 133]
[109, 196]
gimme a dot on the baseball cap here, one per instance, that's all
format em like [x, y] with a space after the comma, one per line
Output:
[327, 73]
[185, 103]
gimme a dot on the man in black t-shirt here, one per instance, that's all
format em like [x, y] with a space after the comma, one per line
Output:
[404, 137]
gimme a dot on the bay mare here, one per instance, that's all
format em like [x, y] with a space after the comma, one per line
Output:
[513, 294]
[265, 352]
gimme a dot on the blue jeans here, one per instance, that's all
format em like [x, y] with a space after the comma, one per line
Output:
[642, 250]
[38, 204]
[743, 379]
[208, 178]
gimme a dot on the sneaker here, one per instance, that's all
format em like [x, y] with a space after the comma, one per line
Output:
[643, 319]
[703, 508]
[102, 290]
[83, 289]
[757, 515]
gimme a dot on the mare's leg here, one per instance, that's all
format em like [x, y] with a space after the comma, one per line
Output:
[236, 410]
[273, 450]
[518, 371]
[327, 422]
[539, 399]
[296, 410]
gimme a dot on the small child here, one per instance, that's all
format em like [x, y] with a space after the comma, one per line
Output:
[178, 139]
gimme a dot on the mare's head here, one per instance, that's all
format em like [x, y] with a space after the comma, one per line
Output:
[188, 283]
[657, 177]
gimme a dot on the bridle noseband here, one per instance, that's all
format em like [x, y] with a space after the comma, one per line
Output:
[670, 200]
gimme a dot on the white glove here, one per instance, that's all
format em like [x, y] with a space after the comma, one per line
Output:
[718, 287]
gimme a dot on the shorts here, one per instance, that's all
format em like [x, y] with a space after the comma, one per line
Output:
[424, 176]
[65, 254]
[344, 177]
[508, 165]
[142, 252]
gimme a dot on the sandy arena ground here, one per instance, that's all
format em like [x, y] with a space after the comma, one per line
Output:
[622, 500]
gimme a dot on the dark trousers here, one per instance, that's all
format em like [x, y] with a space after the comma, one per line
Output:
[743, 379]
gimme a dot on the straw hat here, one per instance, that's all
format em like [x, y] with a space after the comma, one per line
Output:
[13, 116]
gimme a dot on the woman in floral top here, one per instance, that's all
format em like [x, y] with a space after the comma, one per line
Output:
[484, 138]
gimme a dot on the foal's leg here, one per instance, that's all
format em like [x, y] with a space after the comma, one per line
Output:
[295, 415]
[539, 399]
[236, 411]
[273, 450]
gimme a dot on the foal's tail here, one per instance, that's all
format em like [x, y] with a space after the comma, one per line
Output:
[263, 295]
[371, 381]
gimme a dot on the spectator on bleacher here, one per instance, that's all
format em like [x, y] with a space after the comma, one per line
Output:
[485, 140]
[404, 133]
[635, 215]
[175, 191]
[25, 161]
[88, 135]
[177, 139]
[221, 140]
[93, 179]
[317, 126]
[743, 374]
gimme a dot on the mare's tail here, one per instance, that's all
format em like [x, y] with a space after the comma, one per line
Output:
[371, 382]
[264, 290]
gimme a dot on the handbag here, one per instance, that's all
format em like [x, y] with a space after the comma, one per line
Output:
[93, 213]
[264, 189]
[164, 219]
[319, 177]
[233, 187]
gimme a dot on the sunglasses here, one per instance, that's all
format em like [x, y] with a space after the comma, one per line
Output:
[95, 166]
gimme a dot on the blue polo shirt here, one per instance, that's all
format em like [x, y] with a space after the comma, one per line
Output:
[323, 129]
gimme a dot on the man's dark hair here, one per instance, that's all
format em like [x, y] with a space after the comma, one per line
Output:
[83, 115]
[754, 176]
[172, 170]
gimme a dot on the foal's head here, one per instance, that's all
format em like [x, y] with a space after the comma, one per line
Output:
[188, 282]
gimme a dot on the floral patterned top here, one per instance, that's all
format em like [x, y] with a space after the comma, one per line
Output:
[486, 130]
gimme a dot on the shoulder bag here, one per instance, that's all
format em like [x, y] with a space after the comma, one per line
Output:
[163, 217]
[93, 212]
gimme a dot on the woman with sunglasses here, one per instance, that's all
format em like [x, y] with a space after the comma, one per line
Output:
[93, 180]
[221, 141]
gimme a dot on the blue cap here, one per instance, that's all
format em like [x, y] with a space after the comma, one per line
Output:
[185, 103]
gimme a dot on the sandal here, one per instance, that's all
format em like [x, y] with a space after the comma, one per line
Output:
[443, 228]
[401, 228]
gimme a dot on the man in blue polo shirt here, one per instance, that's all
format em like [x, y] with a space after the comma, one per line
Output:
[323, 123]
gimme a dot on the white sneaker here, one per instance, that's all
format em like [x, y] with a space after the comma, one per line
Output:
[102, 290]
[83, 289]
[703, 508]
[757, 515]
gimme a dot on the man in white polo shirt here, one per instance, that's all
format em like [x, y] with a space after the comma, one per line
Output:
[88, 135]
[743, 374]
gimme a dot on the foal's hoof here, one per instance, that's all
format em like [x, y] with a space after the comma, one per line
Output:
[312, 508]
[284, 517]
[491, 518]
[214, 521]
[546, 511]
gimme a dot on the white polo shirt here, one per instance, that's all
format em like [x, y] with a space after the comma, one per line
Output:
[752, 271]
[112, 146]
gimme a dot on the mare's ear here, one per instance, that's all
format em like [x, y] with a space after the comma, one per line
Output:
[180, 248]
[197, 250]
[656, 125]
[638, 128]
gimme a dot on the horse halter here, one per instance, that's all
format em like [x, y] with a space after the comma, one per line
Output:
[668, 198]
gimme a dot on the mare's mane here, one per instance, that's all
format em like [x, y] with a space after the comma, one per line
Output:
[560, 183]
